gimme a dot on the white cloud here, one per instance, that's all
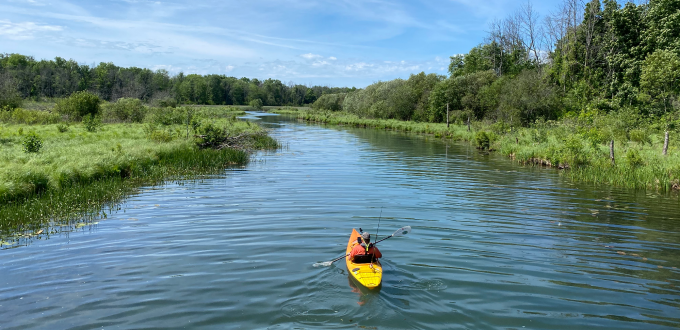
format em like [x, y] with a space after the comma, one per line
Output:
[25, 30]
[229, 68]
[311, 56]
[333, 58]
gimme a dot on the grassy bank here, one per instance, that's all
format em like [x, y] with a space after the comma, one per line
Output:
[76, 171]
[578, 147]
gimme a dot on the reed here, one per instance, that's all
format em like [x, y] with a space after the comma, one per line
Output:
[580, 151]
[77, 172]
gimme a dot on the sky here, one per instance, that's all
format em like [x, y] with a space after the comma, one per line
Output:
[313, 42]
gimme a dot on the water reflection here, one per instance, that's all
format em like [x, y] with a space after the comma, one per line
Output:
[495, 245]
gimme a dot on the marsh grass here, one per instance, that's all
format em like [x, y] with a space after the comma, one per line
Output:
[580, 150]
[77, 172]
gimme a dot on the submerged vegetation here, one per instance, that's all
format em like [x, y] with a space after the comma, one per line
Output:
[57, 165]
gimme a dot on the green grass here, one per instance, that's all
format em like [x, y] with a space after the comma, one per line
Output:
[581, 151]
[76, 171]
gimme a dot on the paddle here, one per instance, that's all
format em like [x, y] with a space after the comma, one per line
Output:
[400, 232]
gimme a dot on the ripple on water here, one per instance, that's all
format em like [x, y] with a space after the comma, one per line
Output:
[494, 245]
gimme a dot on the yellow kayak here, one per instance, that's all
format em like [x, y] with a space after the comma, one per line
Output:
[367, 273]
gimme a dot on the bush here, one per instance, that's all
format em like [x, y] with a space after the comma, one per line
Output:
[165, 102]
[158, 135]
[29, 117]
[62, 128]
[640, 136]
[633, 158]
[32, 143]
[125, 110]
[483, 140]
[167, 116]
[92, 123]
[211, 135]
[256, 103]
[332, 102]
[78, 105]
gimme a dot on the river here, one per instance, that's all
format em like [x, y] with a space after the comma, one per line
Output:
[494, 245]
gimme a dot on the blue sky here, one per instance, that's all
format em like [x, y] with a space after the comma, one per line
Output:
[335, 43]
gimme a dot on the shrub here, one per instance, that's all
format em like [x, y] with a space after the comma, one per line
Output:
[256, 103]
[32, 143]
[158, 135]
[640, 136]
[483, 140]
[211, 135]
[332, 102]
[125, 110]
[92, 123]
[29, 117]
[633, 158]
[165, 102]
[78, 105]
[595, 136]
[167, 116]
[62, 128]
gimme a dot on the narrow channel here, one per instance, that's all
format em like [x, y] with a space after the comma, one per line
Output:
[494, 245]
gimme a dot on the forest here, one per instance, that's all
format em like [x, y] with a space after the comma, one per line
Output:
[23, 77]
[584, 60]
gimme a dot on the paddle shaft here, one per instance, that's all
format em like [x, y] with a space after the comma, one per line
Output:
[404, 233]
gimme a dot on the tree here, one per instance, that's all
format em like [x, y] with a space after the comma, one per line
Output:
[661, 77]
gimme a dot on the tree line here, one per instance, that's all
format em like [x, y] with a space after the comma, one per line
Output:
[23, 77]
[582, 60]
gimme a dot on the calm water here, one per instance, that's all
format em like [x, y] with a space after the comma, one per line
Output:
[494, 245]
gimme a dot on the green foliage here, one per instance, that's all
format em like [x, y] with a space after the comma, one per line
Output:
[332, 102]
[32, 143]
[124, 110]
[152, 133]
[29, 117]
[165, 102]
[527, 98]
[62, 128]
[211, 135]
[256, 103]
[483, 140]
[640, 136]
[634, 159]
[167, 116]
[660, 79]
[78, 105]
[9, 95]
[395, 99]
[92, 123]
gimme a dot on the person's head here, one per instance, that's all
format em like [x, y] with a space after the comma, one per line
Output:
[366, 236]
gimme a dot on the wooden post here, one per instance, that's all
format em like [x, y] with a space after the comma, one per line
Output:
[665, 145]
[611, 152]
[447, 115]
[468, 123]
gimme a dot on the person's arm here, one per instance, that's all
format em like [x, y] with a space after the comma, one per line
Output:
[377, 252]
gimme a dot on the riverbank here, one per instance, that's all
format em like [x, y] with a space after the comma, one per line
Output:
[55, 171]
[578, 148]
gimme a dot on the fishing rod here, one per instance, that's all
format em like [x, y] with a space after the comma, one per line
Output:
[376, 238]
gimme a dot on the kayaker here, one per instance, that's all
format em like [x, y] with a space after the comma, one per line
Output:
[365, 247]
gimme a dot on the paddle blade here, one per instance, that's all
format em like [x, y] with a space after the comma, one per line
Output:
[402, 231]
[323, 264]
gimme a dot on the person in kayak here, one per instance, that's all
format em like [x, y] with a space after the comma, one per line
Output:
[365, 247]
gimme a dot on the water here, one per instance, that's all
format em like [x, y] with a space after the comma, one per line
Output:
[494, 245]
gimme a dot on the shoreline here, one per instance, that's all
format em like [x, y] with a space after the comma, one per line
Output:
[578, 160]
